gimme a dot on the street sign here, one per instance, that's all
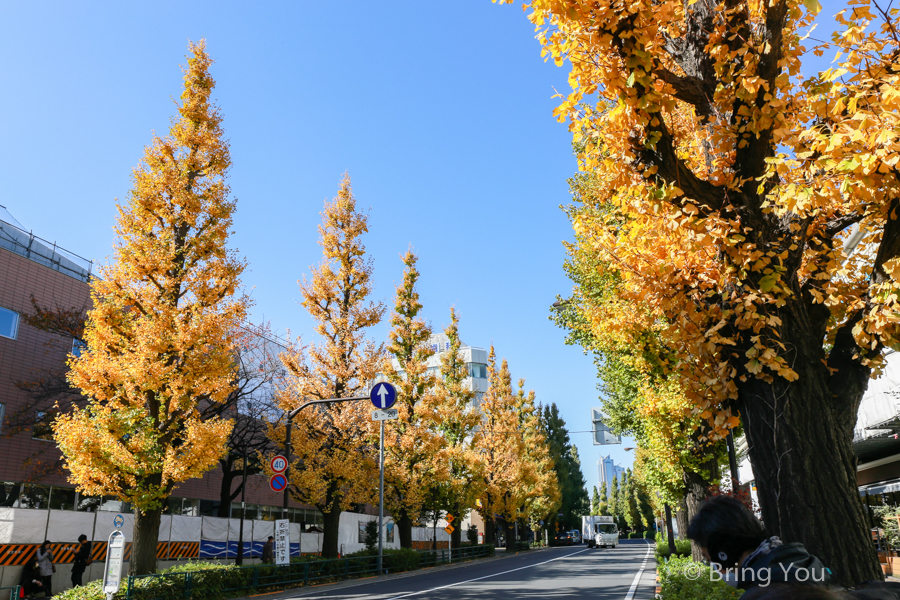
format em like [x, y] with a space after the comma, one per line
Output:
[282, 542]
[383, 395]
[385, 415]
[449, 518]
[450, 529]
[112, 573]
[278, 464]
[278, 483]
[118, 521]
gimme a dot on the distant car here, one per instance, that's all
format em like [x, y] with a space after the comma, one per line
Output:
[576, 536]
[564, 538]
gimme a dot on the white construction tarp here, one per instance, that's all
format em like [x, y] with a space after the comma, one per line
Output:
[6, 524]
[234, 530]
[106, 525]
[26, 526]
[214, 529]
[263, 529]
[185, 529]
[67, 525]
[310, 543]
[165, 526]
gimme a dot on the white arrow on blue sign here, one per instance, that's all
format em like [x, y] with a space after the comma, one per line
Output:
[383, 395]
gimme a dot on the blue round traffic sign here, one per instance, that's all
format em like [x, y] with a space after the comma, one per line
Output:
[118, 521]
[278, 483]
[383, 395]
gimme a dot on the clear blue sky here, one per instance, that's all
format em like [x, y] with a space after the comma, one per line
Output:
[441, 113]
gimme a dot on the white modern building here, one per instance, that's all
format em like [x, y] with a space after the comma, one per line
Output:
[475, 359]
[607, 470]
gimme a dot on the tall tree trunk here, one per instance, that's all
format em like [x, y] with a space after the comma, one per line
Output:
[404, 527]
[696, 490]
[799, 436]
[225, 493]
[146, 536]
[489, 537]
[681, 518]
[509, 534]
[331, 530]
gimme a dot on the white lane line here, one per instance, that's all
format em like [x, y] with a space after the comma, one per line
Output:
[637, 576]
[484, 577]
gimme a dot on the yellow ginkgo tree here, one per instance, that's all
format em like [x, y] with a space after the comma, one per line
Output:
[752, 215]
[159, 335]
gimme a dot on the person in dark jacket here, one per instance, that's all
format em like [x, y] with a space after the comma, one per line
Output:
[736, 543]
[82, 560]
[31, 579]
[268, 552]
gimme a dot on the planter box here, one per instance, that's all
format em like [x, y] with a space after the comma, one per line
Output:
[894, 564]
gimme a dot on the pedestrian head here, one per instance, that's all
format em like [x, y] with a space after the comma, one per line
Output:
[271, 538]
[725, 529]
[82, 538]
[45, 546]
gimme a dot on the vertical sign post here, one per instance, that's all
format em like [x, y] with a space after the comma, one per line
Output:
[383, 396]
[282, 542]
[112, 573]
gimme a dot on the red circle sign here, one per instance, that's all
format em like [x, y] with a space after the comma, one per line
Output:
[278, 483]
[279, 464]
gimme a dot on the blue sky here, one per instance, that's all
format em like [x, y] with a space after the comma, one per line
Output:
[440, 112]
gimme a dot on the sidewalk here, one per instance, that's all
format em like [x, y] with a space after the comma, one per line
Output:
[299, 592]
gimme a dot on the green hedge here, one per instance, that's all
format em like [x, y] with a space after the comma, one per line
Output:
[682, 548]
[395, 560]
[683, 579]
[210, 580]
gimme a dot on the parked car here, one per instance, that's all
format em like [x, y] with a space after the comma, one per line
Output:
[564, 538]
[576, 536]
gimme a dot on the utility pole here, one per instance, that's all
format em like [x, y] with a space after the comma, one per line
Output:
[381, 501]
[240, 551]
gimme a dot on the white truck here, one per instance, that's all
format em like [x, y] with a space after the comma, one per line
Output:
[599, 531]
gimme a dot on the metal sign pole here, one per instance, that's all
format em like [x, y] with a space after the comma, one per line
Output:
[381, 502]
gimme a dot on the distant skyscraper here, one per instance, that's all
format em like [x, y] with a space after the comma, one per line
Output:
[607, 469]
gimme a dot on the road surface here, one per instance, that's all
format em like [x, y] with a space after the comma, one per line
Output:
[625, 573]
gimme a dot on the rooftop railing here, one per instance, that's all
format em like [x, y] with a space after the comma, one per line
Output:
[24, 243]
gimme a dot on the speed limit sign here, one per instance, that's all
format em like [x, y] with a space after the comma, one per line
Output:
[278, 464]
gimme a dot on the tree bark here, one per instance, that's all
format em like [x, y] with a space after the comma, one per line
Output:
[696, 491]
[331, 530]
[804, 464]
[146, 536]
[509, 534]
[800, 444]
[681, 518]
[404, 528]
[489, 537]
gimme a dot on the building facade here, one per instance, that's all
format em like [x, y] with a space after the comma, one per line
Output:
[607, 470]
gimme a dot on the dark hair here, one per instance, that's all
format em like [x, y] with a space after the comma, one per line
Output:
[82, 538]
[271, 538]
[726, 528]
[46, 543]
[794, 592]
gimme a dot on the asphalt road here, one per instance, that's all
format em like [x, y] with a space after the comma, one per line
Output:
[625, 573]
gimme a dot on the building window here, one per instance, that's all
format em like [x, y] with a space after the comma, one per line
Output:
[77, 347]
[43, 425]
[34, 496]
[62, 498]
[9, 493]
[209, 508]
[9, 323]
[88, 503]
[478, 370]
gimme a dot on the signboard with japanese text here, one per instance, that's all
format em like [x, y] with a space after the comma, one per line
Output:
[282, 542]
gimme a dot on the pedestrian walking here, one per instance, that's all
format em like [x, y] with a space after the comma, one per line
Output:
[45, 560]
[268, 553]
[82, 560]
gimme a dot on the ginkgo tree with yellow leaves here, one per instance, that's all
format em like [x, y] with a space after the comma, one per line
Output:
[732, 185]
[159, 333]
[332, 464]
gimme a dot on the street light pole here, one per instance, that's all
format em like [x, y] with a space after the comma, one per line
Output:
[287, 439]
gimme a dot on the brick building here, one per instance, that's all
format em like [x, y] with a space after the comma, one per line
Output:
[30, 266]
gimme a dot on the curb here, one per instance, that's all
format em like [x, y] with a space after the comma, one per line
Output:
[299, 592]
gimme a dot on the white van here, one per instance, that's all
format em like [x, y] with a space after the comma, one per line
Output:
[606, 533]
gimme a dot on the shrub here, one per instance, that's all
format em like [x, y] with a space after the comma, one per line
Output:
[649, 535]
[209, 580]
[684, 579]
[472, 534]
[634, 535]
[682, 548]
[371, 535]
[394, 560]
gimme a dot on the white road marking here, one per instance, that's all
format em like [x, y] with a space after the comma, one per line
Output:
[637, 576]
[485, 577]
